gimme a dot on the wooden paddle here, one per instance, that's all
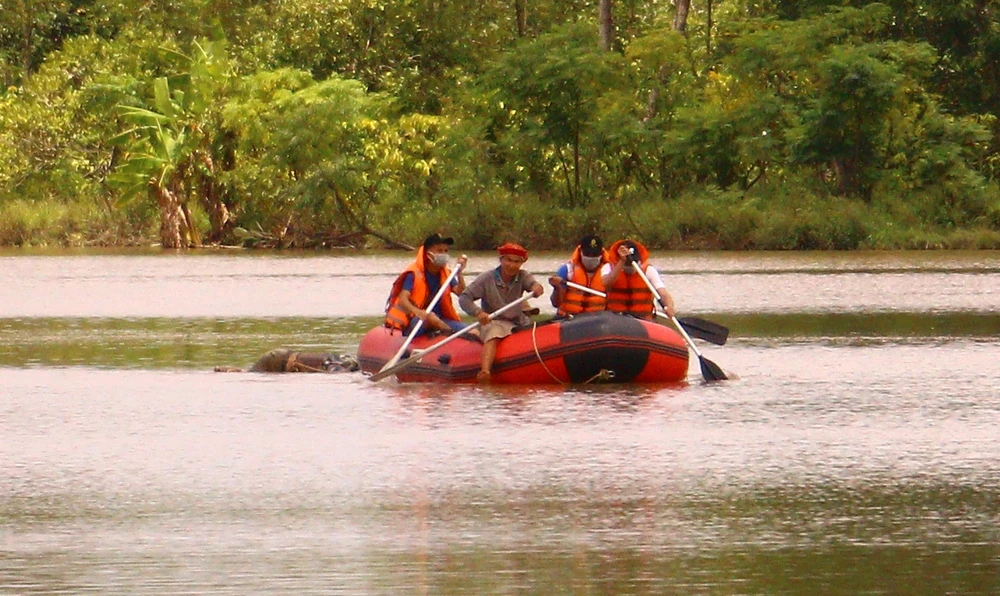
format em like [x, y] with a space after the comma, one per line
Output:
[696, 327]
[420, 323]
[417, 355]
[709, 369]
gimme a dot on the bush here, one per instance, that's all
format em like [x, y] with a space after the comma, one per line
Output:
[55, 223]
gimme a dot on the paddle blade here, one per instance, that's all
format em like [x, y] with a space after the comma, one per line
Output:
[392, 362]
[706, 330]
[388, 371]
[711, 370]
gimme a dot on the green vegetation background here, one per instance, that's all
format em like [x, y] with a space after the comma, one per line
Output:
[742, 124]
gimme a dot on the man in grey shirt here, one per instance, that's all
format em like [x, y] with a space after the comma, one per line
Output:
[495, 289]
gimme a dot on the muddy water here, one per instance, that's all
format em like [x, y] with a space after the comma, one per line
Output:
[855, 450]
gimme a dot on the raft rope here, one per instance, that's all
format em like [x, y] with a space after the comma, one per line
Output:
[602, 375]
[534, 342]
[293, 365]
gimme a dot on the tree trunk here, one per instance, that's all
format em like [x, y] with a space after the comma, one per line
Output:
[221, 220]
[605, 26]
[848, 179]
[218, 213]
[681, 18]
[189, 230]
[350, 216]
[654, 94]
[28, 47]
[521, 14]
[708, 27]
[170, 216]
[576, 164]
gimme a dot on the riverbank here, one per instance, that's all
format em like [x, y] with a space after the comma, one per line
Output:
[689, 223]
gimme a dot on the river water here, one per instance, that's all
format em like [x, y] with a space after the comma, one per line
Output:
[854, 451]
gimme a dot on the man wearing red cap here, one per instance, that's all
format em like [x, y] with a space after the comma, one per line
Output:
[495, 289]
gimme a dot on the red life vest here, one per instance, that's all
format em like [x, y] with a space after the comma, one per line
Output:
[420, 296]
[577, 301]
[628, 293]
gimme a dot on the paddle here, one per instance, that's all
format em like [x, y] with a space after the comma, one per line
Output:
[707, 330]
[700, 328]
[420, 323]
[709, 369]
[417, 355]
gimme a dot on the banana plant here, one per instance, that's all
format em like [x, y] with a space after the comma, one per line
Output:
[167, 144]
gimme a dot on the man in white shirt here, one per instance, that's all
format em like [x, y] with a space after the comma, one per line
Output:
[627, 293]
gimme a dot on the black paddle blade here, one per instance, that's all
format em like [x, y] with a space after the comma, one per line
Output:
[711, 370]
[706, 330]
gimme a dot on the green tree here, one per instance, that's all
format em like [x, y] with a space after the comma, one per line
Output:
[54, 127]
[545, 97]
[168, 149]
[327, 162]
[29, 30]
[847, 124]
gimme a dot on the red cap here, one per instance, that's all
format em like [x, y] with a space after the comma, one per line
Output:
[511, 248]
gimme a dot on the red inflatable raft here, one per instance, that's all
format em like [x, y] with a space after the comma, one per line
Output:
[600, 346]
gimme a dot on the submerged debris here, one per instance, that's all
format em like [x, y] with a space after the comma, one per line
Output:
[284, 360]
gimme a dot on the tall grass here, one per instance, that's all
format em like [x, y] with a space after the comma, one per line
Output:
[48, 222]
[711, 219]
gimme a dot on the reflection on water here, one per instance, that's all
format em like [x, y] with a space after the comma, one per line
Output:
[211, 286]
[170, 343]
[819, 459]
[206, 343]
[854, 452]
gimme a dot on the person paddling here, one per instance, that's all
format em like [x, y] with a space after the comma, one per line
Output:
[627, 292]
[583, 269]
[418, 284]
[494, 289]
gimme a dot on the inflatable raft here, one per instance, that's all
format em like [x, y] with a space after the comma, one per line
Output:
[593, 347]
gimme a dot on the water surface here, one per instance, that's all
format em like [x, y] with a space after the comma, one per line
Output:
[854, 451]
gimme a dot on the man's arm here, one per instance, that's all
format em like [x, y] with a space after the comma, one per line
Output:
[408, 307]
[459, 283]
[558, 283]
[530, 284]
[404, 301]
[610, 277]
[431, 320]
[472, 292]
[661, 289]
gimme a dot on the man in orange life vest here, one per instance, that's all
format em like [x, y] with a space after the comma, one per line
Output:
[495, 289]
[583, 268]
[415, 287]
[627, 293]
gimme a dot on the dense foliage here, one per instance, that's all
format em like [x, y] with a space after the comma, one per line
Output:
[737, 124]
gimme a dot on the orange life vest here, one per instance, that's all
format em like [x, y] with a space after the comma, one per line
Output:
[577, 301]
[628, 293]
[420, 296]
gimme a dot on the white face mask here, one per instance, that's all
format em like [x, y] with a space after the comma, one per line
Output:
[590, 263]
[439, 259]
